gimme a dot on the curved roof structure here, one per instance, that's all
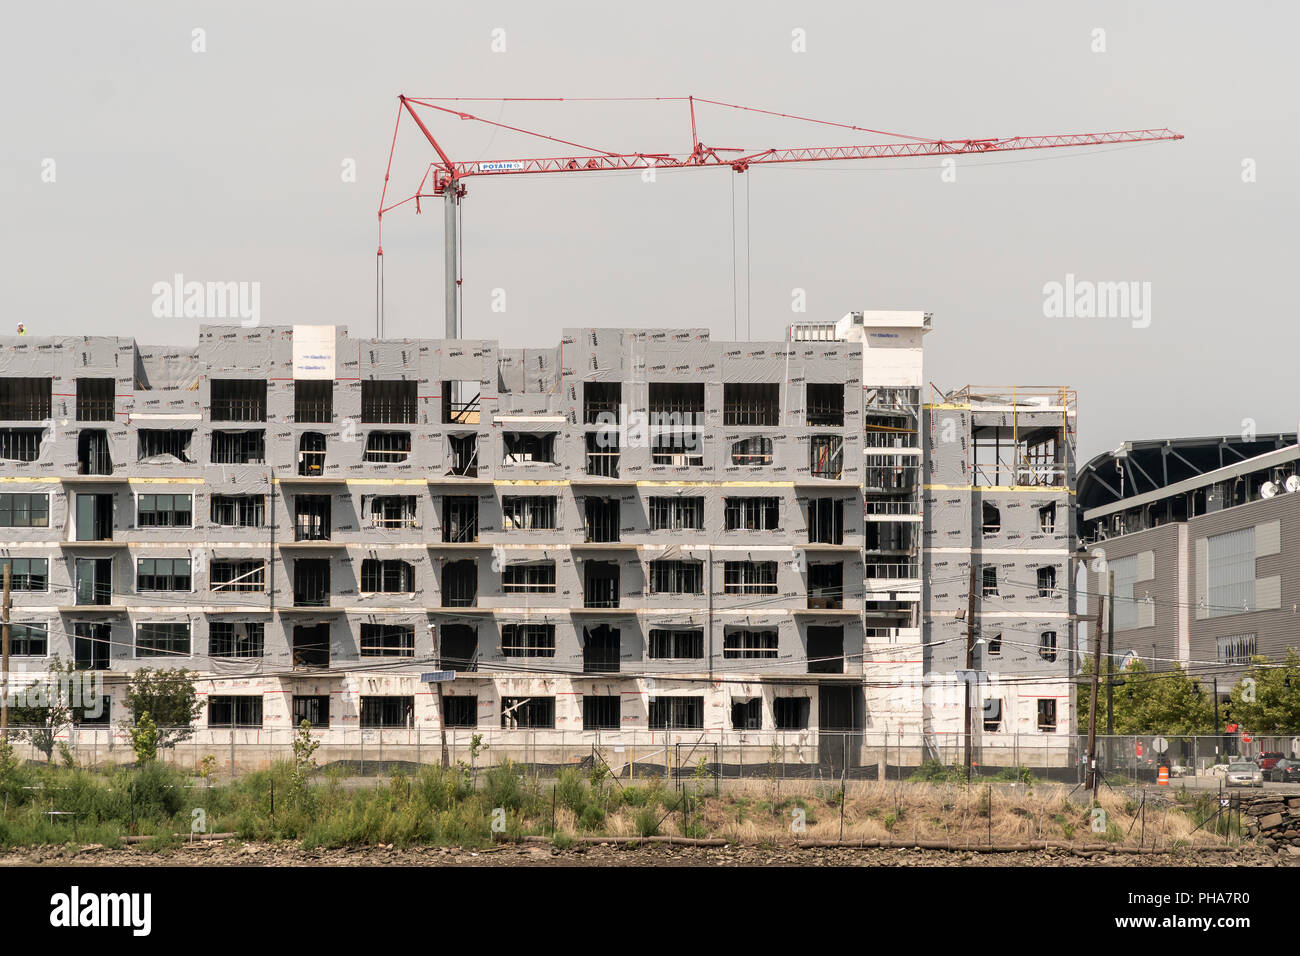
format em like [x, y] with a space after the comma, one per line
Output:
[1141, 467]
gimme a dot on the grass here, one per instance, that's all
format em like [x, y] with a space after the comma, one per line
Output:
[436, 806]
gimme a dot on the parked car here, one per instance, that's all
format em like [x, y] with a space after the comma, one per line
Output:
[1268, 758]
[1285, 770]
[1243, 774]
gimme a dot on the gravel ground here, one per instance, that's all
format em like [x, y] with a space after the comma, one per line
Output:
[236, 853]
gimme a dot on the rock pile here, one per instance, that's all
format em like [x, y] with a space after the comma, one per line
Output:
[1275, 819]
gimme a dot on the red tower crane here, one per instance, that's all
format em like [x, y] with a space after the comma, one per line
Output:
[444, 176]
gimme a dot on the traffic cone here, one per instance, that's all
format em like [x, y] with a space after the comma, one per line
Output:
[1162, 779]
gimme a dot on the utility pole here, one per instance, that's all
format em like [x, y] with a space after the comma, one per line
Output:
[1091, 778]
[1218, 727]
[970, 659]
[4, 659]
[1110, 653]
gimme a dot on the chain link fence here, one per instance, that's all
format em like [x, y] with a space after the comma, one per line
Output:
[709, 755]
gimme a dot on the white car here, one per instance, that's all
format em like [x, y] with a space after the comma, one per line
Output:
[1244, 774]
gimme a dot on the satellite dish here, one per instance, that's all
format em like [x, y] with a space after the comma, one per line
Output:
[1268, 489]
[1293, 483]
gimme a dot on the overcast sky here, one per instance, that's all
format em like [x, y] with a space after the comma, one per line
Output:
[228, 164]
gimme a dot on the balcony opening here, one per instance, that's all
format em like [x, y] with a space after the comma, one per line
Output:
[826, 586]
[390, 511]
[461, 403]
[528, 512]
[527, 713]
[391, 402]
[1009, 456]
[676, 514]
[528, 640]
[94, 517]
[311, 454]
[825, 521]
[530, 577]
[600, 402]
[601, 517]
[676, 404]
[311, 645]
[752, 452]
[311, 582]
[752, 514]
[158, 446]
[751, 403]
[387, 640]
[237, 400]
[460, 711]
[459, 648]
[239, 447]
[747, 644]
[95, 399]
[749, 577]
[826, 456]
[464, 455]
[600, 649]
[313, 401]
[313, 708]
[21, 444]
[676, 577]
[890, 536]
[676, 713]
[94, 581]
[825, 405]
[602, 712]
[26, 399]
[391, 576]
[459, 519]
[825, 650]
[600, 583]
[603, 452]
[746, 713]
[387, 447]
[671, 644]
[992, 520]
[90, 646]
[236, 639]
[790, 713]
[311, 517]
[460, 583]
[529, 448]
[93, 457]
[387, 713]
[678, 450]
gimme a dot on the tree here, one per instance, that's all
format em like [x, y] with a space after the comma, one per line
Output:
[170, 700]
[1267, 700]
[144, 739]
[46, 707]
[1163, 702]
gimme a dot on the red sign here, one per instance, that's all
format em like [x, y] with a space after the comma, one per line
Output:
[1139, 748]
[1246, 738]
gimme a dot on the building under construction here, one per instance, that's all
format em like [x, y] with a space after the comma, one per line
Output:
[636, 531]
